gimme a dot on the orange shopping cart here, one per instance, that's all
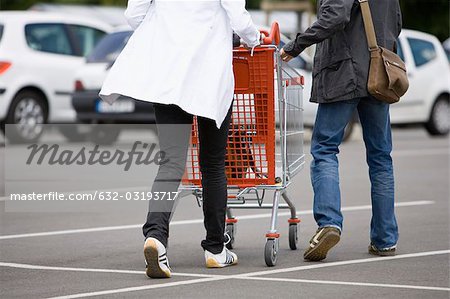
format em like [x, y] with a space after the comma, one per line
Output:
[265, 141]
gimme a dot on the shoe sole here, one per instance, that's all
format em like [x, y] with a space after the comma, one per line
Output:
[152, 258]
[318, 253]
[212, 263]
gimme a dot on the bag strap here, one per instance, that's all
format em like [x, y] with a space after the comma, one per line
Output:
[368, 25]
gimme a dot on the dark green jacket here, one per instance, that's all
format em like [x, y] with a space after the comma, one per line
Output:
[341, 62]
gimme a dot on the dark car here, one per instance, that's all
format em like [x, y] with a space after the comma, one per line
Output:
[89, 78]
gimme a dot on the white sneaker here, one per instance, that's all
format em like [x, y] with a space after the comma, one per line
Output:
[224, 259]
[156, 259]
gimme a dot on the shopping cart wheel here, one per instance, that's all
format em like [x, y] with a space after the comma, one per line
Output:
[271, 252]
[230, 231]
[293, 236]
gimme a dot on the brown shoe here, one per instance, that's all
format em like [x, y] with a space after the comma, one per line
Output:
[381, 252]
[319, 245]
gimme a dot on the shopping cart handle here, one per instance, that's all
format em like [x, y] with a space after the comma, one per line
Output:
[273, 36]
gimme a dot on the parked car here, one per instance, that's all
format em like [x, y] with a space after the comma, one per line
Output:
[446, 45]
[113, 15]
[88, 82]
[427, 100]
[39, 53]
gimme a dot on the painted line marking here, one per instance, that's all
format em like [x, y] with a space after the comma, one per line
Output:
[349, 283]
[114, 271]
[140, 288]
[245, 276]
[348, 262]
[199, 221]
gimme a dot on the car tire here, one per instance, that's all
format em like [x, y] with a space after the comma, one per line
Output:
[104, 134]
[73, 132]
[439, 121]
[28, 112]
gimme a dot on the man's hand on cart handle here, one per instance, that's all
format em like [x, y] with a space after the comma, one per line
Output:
[285, 56]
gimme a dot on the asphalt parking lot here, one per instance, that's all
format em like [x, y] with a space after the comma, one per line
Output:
[77, 255]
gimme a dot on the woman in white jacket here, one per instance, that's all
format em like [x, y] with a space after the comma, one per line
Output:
[180, 59]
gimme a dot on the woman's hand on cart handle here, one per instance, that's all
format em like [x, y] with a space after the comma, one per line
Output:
[285, 56]
[273, 36]
[262, 36]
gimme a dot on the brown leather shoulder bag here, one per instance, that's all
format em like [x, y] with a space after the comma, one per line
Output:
[388, 79]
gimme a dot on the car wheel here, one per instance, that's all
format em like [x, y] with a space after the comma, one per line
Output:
[104, 134]
[439, 122]
[73, 132]
[28, 112]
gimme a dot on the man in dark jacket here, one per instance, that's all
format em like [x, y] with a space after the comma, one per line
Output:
[341, 68]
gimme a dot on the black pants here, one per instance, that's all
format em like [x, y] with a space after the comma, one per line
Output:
[174, 129]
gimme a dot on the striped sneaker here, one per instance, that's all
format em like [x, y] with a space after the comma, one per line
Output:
[224, 259]
[390, 251]
[324, 239]
[156, 259]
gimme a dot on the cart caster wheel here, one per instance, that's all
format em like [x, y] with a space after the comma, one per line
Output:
[293, 236]
[229, 232]
[271, 252]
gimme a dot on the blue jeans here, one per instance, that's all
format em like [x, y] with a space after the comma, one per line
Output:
[331, 121]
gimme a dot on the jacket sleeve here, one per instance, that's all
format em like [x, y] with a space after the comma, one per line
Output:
[241, 22]
[333, 16]
[136, 11]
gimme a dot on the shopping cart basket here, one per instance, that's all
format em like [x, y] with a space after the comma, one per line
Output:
[265, 141]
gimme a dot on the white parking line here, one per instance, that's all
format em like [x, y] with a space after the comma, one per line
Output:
[348, 262]
[245, 276]
[349, 283]
[141, 288]
[198, 221]
[113, 271]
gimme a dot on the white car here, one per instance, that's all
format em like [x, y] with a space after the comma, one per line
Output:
[446, 45]
[39, 54]
[427, 100]
[113, 15]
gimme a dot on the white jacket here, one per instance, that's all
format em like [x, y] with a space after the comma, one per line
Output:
[181, 53]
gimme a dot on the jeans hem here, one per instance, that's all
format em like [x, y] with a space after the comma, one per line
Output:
[332, 225]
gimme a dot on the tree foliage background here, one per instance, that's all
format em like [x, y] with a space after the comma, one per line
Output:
[425, 15]
[430, 16]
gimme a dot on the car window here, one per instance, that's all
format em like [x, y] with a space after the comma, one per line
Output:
[85, 37]
[297, 62]
[1, 32]
[423, 51]
[51, 38]
[109, 47]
